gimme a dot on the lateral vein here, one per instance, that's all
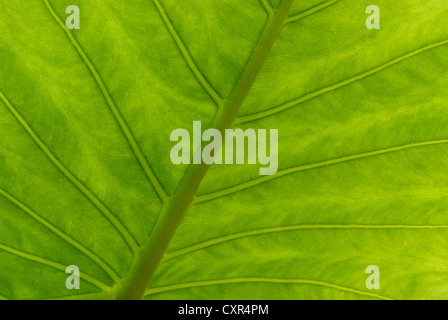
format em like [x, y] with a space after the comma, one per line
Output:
[187, 56]
[52, 264]
[114, 109]
[310, 11]
[262, 280]
[88, 296]
[267, 7]
[81, 187]
[258, 181]
[103, 265]
[257, 232]
[293, 103]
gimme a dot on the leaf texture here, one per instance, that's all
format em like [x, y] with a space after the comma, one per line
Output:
[86, 178]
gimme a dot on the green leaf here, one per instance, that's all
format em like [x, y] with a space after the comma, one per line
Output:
[85, 171]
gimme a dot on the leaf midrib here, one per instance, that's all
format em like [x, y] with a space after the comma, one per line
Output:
[148, 260]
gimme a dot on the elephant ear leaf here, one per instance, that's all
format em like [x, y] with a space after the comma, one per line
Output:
[86, 180]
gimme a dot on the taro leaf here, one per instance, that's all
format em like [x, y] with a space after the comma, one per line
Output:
[86, 178]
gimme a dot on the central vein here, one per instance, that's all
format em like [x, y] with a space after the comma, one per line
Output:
[149, 258]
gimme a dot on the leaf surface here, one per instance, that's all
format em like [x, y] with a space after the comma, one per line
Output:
[86, 178]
